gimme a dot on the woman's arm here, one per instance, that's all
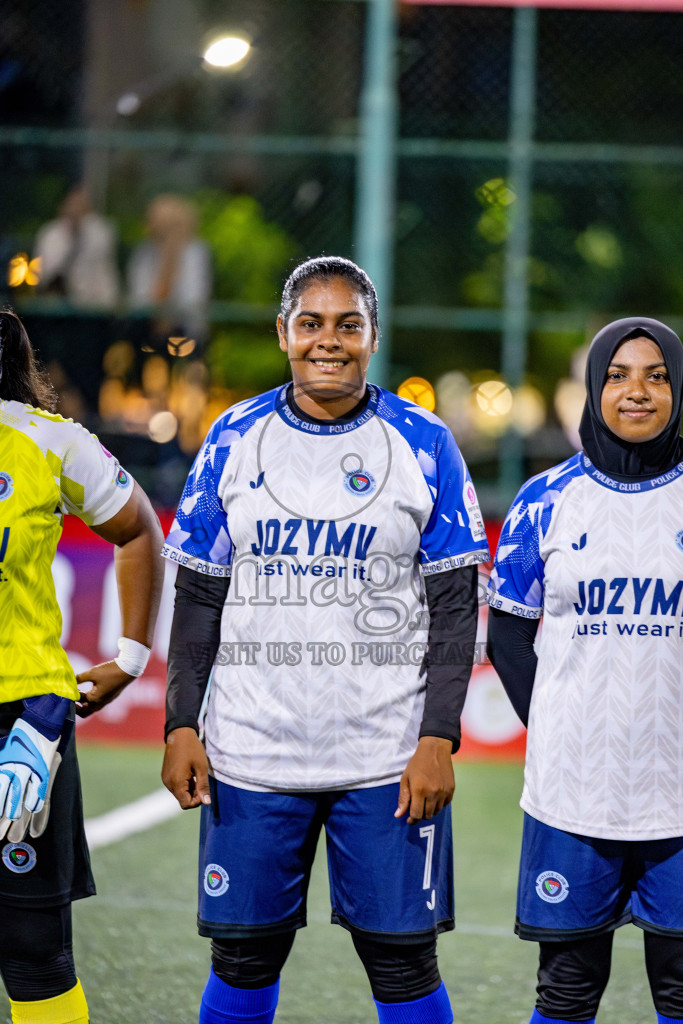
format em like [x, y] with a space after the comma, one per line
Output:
[195, 637]
[427, 784]
[452, 599]
[136, 533]
[511, 651]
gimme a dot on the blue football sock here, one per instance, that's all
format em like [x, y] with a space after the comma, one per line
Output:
[432, 1009]
[224, 1004]
[538, 1018]
[661, 1019]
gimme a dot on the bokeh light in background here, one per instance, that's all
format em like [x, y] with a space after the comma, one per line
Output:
[128, 104]
[419, 391]
[570, 396]
[488, 407]
[173, 399]
[452, 400]
[528, 410]
[22, 270]
[181, 347]
[268, 157]
[491, 405]
[496, 197]
[163, 427]
[226, 51]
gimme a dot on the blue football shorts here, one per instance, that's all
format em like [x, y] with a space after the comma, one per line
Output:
[573, 886]
[386, 877]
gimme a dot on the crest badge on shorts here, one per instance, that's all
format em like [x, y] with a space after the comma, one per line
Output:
[552, 887]
[19, 857]
[216, 880]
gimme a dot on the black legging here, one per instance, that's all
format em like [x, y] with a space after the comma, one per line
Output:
[664, 963]
[398, 973]
[572, 976]
[36, 954]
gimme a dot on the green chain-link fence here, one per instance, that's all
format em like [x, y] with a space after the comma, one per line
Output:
[282, 130]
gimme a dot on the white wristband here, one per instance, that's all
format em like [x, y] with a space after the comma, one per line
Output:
[133, 657]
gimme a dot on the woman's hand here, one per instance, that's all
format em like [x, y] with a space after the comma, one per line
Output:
[185, 771]
[427, 784]
[108, 681]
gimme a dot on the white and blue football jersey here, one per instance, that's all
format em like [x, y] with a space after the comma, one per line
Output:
[325, 530]
[602, 562]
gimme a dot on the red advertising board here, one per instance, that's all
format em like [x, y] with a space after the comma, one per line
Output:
[86, 590]
[84, 577]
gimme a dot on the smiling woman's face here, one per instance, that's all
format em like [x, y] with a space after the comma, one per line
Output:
[329, 339]
[636, 401]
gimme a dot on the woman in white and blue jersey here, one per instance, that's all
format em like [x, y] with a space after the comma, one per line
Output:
[594, 546]
[327, 534]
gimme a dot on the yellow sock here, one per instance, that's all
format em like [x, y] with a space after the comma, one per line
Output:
[69, 1008]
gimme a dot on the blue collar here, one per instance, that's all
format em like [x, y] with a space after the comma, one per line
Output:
[632, 486]
[320, 427]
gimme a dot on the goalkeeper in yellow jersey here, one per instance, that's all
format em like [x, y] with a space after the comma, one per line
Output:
[49, 467]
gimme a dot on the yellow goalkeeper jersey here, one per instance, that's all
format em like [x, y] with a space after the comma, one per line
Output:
[49, 466]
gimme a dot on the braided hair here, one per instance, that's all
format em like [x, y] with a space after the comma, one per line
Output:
[21, 378]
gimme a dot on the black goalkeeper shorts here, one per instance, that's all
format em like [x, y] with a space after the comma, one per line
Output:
[53, 869]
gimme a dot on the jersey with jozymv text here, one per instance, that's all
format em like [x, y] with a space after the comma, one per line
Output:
[602, 561]
[326, 530]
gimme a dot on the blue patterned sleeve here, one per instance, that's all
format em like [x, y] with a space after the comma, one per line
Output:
[516, 582]
[199, 537]
[455, 534]
[517, 579]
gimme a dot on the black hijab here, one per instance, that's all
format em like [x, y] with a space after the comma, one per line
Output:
[627, 460]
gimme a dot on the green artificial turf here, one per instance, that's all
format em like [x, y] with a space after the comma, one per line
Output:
[141, 961]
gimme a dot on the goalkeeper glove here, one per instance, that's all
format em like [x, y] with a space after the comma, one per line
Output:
[29, 760]
[36, 823]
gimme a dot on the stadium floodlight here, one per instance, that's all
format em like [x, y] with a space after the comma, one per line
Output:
[223, 52]
[226, 51]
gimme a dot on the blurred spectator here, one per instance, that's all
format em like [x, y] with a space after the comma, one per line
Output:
[77, 254]
[171, 275]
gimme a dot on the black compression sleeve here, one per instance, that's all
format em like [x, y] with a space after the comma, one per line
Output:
[36, 952]
[452, 603]
[195, 636]
[511, 651]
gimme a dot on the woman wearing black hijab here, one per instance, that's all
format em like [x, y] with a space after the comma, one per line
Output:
[595, 547]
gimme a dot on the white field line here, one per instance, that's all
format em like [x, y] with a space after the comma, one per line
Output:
[125, 821]
[159, 806]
